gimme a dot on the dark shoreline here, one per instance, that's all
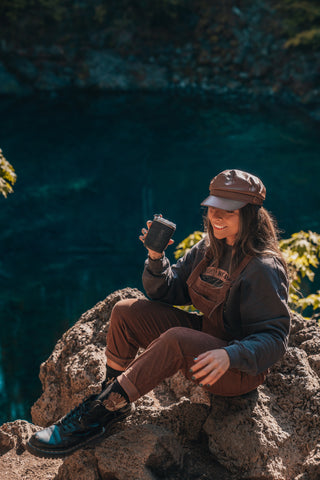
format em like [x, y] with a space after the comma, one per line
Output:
[244, 99]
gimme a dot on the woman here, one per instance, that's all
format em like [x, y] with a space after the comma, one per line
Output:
[236, 277]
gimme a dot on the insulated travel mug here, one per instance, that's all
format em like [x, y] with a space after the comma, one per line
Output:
[159, 234]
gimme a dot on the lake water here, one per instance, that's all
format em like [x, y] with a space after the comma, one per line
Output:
[91, 170]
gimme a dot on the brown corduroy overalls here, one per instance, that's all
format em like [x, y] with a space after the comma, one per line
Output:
[173, 338]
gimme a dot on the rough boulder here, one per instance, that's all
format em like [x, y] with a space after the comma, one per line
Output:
[178, 431]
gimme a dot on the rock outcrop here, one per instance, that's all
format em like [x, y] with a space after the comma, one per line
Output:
[178, 431]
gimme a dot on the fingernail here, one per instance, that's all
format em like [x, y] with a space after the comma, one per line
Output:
[191, 371]
[193, 377]
[196, 358]
[201, 384]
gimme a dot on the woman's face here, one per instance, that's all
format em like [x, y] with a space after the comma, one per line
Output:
[225, 224]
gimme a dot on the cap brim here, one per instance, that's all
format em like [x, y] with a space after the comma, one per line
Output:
[223, 203]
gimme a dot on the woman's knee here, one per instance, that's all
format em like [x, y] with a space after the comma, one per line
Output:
[130, 310]
[175, 336]
[187, 341]
[123, 305]
[122, 310]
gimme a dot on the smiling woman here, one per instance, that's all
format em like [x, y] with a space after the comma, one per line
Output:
[237, 279]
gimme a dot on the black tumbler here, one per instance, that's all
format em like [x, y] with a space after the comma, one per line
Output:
[159, 234]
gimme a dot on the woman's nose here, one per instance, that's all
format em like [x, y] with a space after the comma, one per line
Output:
[217, 214]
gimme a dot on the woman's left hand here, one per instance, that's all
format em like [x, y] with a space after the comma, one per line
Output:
[210, 366]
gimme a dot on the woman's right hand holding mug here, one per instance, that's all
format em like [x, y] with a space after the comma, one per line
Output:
[152, 254]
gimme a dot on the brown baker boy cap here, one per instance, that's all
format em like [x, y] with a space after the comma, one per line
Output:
[233, 189]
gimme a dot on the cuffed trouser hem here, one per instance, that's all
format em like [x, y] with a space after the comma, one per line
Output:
[123, 363]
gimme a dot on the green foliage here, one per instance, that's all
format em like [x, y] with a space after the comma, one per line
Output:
[302, 253]
[7, 176]
[301, 22]
[181, 249]
[308, 37]
[188, 243]
[311, 301]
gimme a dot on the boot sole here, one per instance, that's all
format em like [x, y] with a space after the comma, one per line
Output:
[47, 453]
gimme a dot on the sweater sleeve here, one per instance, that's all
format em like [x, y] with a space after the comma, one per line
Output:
[168, 283]
[265, 317]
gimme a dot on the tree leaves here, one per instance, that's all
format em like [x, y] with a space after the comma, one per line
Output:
[7, 176]
[301, 22]
[188, 243]
[302, 253]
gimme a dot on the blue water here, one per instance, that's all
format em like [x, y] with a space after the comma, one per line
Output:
[91, 170]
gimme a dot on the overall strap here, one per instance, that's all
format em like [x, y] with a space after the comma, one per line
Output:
[244, 262]
[197, 271]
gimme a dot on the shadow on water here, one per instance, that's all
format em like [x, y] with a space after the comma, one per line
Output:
[91, 170]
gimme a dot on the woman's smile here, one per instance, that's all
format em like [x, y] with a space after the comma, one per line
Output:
[218, 227]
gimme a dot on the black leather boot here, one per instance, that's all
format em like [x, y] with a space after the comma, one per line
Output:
[90, 420]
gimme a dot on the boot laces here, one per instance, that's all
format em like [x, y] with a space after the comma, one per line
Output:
[107, 382]
[73, 418]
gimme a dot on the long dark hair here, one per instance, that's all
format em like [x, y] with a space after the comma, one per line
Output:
[258, 235]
